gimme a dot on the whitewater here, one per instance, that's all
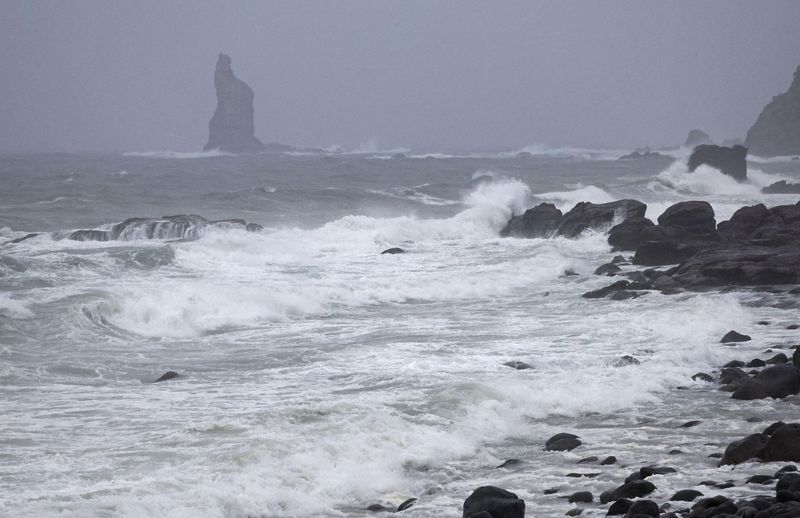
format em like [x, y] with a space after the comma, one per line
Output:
[319, 376]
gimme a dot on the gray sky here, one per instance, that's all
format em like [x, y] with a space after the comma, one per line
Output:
[138, 75]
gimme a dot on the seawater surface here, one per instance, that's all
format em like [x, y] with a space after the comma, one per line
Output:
[319, 376]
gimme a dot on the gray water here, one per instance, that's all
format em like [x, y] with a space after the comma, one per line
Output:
[318, 376]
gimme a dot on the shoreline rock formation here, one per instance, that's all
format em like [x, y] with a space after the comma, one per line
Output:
[776, 132]
[231, 128]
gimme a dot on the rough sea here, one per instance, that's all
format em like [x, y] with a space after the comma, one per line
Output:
[317, 376]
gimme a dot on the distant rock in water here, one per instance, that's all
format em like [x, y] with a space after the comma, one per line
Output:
[777, 130]
[167, 376]
[782, 187]
[697, 137]
[643, 154]
[184, 226]
[231, 128]
[731, 161]
[393, 251]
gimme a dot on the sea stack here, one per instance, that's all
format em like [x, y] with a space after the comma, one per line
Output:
[776, 132]
[231, 129]
[697, 137]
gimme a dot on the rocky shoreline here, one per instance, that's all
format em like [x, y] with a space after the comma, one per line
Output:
[758, 247]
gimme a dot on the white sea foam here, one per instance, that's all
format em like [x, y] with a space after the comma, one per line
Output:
[13, 308]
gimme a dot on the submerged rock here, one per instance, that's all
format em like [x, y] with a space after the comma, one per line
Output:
[734, 336]
[167, 376]
[393, 251]
[232, 129]
[731, 161]
[562, 442]
[777, 129]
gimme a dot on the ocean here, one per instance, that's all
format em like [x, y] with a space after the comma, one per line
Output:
[319, 376]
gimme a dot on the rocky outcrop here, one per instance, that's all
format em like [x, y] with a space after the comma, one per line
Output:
[184, 226]
[540, 221]
[782, 187]
[231, 129]
[697, 137]
[731, 161]
[493, 502]
[777, 129]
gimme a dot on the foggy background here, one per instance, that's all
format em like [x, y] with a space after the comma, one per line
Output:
[126, 76]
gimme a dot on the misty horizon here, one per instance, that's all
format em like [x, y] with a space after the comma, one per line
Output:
[444, 76]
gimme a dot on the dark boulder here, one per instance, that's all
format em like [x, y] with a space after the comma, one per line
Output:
[540, 221]
[581, 497]
[731, 161]
[619, 507]
[634, 489]
[732, 376]
[733, 336]
[744, 449]
[520, 366]
[694, 217]
[393, 251]
[628, 235]
[608, 269]
[406, 504]
[562, 442]
[663, 252]
[586, 215]
[643, 509]
[783, 444]
[607, 290]
[745, 265]
[777, 129]
[749, 390]
[496, 502]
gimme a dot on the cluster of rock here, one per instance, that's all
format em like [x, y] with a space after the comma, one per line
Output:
[731, 161]
[644, 154]
[184, 226]
[545, 220]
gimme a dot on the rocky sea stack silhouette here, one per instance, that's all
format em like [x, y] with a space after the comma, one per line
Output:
[231, 129]
[776, 132]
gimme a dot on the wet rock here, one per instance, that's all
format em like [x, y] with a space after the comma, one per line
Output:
[730, 161]
[510, 463]
[756, 362]
[634, 489]
[778, 359]
[562, 442]
[583, 475]
[167, 376]
[692, 217]
[606, 291]
[744, 449]
[587, 215]
[629, 234]
[733, 377]
[686, 495]
[551, 490]
[608, 461]
[497, 502]
[588, 460]
[779, 381]
[643, 509]
[581, 497]
[734, 364]
[783, 444]
[702, 376]
[393, 251]
[749, 390]
[760, 479]
[574, 512]
[733, 336]
[674, 452]
[520, 366]
[540, 221]
[377, 508]
[608, 269]
[690, 424]
[781, 187]
[406, 504]
[626, 360]
[619, 507]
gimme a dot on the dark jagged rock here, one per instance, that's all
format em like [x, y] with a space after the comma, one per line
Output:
[393, 251]
[782, 187]
[231, 129]
[619, 507]
[760, 479]
[628, 234]
[167, 376]
[587, 460]
[734, 375]
[406, 504]
[644, 155]
[586, 215]
[684, 229]
[608, 269]
[377, 508]
[509, 463]
[608, 461]
[23, 238]
[745, 265]
[690, 424]
[744, 449]
[494, 502]
[634, 489]
[697, 137]
[540, 221]
[731, 161]
[607, 290]
[777, 129]
[750, 390]
[562, 442]
[733, 336]
[702, 376]
[783, 444]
